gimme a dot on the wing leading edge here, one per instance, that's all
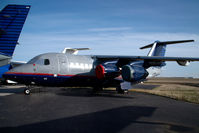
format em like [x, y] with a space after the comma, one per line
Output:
[151, 58]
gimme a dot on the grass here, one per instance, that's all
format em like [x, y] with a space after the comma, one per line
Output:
[175, 91]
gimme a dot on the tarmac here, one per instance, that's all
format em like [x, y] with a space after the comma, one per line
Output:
[78, 110]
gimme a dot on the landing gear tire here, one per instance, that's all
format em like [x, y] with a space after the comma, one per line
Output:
[27, 91]
[121, 91]
[126, 91]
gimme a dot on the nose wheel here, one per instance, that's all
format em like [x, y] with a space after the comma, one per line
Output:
[27, 91]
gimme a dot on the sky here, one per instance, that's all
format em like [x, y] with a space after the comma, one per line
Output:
[111, 27]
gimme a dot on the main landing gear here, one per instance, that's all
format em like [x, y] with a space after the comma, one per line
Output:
[99, 88]
[121, 91]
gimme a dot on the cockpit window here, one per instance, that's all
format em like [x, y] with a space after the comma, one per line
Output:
[39, 61]
[46, 62]
[32, 61]
[36, 61]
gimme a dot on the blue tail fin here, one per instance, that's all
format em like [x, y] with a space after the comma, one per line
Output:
[12, 19]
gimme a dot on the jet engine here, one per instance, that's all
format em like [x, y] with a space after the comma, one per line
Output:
[133, 73]
[107, 70]
[183, 63]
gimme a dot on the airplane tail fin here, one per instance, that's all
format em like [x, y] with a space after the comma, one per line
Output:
[159, 48]
[12, 18]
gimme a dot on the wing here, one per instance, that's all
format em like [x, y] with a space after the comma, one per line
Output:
[4, 57]
[17, 63]
[148, 60]
[151, 58]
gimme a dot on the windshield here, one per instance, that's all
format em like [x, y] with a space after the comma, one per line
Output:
[36, 60]
[40, 61]
[32, 61]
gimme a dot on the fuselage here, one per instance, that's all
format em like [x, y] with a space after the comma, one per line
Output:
[58, 69]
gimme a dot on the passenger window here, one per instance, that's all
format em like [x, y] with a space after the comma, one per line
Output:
[46, 62]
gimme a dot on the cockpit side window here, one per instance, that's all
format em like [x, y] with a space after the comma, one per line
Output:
[46, 62]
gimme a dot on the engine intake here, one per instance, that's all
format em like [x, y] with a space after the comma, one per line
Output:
[107, 70]
[133, 73]
[100, 72]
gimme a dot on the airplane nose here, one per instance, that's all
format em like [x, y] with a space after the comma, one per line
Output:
[17, 73]
[11, 74]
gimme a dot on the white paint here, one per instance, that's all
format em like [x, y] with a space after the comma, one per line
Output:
[80, 65]
[152, 49]
[125, 85]
[73, 50]
[5, 94]
[153, 71]
[11, 82]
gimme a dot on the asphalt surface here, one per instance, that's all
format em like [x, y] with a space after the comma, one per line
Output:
[77, 110]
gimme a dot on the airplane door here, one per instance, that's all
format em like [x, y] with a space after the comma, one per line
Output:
[63, 64]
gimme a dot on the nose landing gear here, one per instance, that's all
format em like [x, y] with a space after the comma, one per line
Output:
[27, 91]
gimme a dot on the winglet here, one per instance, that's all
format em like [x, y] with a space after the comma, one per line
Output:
[166, 42]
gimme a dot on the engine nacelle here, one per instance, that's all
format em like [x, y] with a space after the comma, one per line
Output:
[133, 73]
[183, 63]
[107, 70]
